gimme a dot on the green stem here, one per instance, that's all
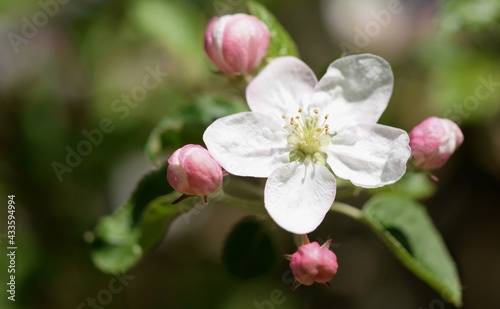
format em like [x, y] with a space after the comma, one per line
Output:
[240, 202]
[347, 210]
[357, 214]
[346, 192]
[247, 187]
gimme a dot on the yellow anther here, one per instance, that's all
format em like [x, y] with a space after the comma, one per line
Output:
[307, 133]
[326, 116]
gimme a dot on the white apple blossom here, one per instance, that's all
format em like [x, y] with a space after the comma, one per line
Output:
[299, 130]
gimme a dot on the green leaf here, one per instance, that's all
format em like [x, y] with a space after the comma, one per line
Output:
[187, 126]
[115, 259]
[122, 238]
[281, 42]
[249, 251]
[159, 215]
[114, 246]
[407, 230]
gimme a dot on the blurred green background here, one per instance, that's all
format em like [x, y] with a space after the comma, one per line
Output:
[65, 75]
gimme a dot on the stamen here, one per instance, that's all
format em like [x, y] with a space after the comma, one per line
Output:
[307, 134]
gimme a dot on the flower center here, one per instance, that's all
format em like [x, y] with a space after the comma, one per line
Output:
[307, 135]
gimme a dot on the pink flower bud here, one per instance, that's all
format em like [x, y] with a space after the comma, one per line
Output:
[192, 171]
[314, 263]
[433, 141]
[236, 44]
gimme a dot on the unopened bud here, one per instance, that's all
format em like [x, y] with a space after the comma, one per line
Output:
[313, 263]
[433, 141]
[236, 44]
[192, 171]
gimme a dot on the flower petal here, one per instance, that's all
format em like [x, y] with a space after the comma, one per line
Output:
[282, 87]
[245, 43]
[298, 196]
[369, 155]
[248, 144]
[354, 89]
[213, 41]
